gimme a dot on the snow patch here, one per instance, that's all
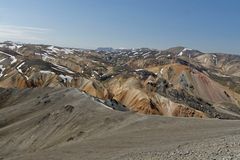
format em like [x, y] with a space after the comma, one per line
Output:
[145, 55]
[94, 61]
[161, 71]
[19, 66]
[45, 56]
[205, 60]
[159, 53]
[12, 46]
[57, 50]
[13, 58]
[185, 49]
[104, 105]
[53, 49]
[46, 72]
[38, 54]
[135, 53]
[2, 60]
[67, 51]
[158, 57]
[66, 78]
[2, 70]
[26, 77]
[214, 57]
[61, 68]
[95, 72]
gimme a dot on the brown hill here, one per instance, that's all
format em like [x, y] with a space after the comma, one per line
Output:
[174, 82]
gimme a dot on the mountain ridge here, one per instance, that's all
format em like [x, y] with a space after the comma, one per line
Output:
[174, 82]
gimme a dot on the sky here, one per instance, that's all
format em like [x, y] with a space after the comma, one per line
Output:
[206, 25]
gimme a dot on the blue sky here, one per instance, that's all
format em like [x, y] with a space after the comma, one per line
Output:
[207, 25]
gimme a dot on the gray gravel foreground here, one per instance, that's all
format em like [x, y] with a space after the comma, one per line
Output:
[40, 127]
[224, 148]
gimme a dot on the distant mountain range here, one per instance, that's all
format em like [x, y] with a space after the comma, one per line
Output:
[177, 81]
[106, 49]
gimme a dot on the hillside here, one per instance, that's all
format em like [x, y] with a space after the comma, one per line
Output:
[178, 81]
[65, 123]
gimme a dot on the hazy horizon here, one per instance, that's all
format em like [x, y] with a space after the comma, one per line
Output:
[95, 48]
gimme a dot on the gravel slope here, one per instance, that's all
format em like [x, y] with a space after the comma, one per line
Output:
[44, 126]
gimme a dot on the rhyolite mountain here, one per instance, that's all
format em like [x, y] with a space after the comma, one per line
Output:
[174, 82]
